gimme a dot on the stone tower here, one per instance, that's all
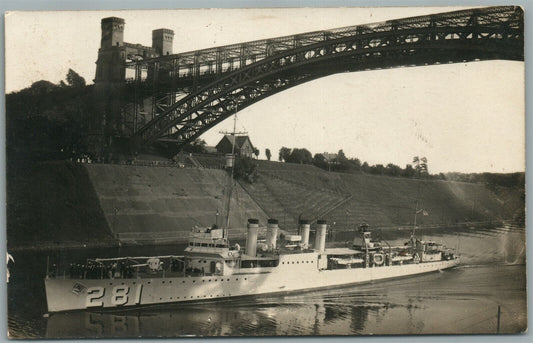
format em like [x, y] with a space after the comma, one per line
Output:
[111, 56]
[112, 127]
[162, 41]
[109, 84]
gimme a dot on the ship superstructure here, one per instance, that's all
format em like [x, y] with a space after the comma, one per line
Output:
[212, 268]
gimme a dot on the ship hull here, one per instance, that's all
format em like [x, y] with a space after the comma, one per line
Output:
[295, 273]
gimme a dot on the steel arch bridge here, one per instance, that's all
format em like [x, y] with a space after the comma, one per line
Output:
[179, 97]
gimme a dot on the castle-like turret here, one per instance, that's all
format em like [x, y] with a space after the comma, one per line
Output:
[162, 40]
[110, 63]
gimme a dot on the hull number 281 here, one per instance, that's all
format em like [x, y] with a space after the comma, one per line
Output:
[119, 296]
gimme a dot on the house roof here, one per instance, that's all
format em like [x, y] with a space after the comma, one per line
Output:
[239, 140]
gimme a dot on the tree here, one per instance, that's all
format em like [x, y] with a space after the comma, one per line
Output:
[393, 170]
[355, 163]
[196, 146]
[320, 161]
[284, 154]
[256, 153]
[268, 153]
[74, 79]
[408, 171]
[377, 169]
[341, 157]
[300, 156]
[245, 169]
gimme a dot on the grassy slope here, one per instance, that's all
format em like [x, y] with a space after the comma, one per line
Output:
[388, 201]
[158, 203]
[64, 203]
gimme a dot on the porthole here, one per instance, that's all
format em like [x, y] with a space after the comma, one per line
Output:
[193, 281]
[111, 284]
[149, 282]
[134, 282]
[209, 280]
[228, 280]
[162, 281]
[221, 280]
[183, 281]
[122, 283]
[170, 282]
[203, 280]
[170, 298]
[236, 279]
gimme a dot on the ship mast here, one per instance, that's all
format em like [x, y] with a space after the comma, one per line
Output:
[233, 135]
[417, 211]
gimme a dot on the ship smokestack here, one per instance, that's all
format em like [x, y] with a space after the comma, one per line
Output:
[320, 240]
[251, 240]
[304, 232]
[272, 233]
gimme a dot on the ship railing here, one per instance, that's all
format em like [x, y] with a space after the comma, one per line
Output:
[111, 259]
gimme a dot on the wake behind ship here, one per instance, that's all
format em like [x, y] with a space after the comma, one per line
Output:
[212, 269]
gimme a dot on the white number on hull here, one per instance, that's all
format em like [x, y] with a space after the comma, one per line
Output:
[119, 295]
[138, 293]
[93, 294]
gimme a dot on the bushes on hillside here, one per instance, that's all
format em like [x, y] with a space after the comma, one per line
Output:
[47, 120]
[245, 169]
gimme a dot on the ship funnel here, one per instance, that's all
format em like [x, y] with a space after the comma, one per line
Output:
[320, 239]
[304, 232]
[272, 233]
[251, 240]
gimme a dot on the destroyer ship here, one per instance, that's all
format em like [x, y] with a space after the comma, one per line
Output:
[211, 268]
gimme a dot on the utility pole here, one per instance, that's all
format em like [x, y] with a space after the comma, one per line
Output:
[498, 324]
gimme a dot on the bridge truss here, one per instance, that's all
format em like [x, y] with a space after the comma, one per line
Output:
[179, 97]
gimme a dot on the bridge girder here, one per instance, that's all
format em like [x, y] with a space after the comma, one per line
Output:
[406, 43]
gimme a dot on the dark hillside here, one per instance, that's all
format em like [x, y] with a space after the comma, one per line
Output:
[53, 203]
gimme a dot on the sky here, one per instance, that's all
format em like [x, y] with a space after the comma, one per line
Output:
[461, 117]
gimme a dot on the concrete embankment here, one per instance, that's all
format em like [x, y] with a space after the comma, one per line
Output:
[162, 204]
[58, 204]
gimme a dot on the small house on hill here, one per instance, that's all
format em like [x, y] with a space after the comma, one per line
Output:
[243, 146]
[330, 158]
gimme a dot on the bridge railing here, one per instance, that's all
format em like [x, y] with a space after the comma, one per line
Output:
[230, 57]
